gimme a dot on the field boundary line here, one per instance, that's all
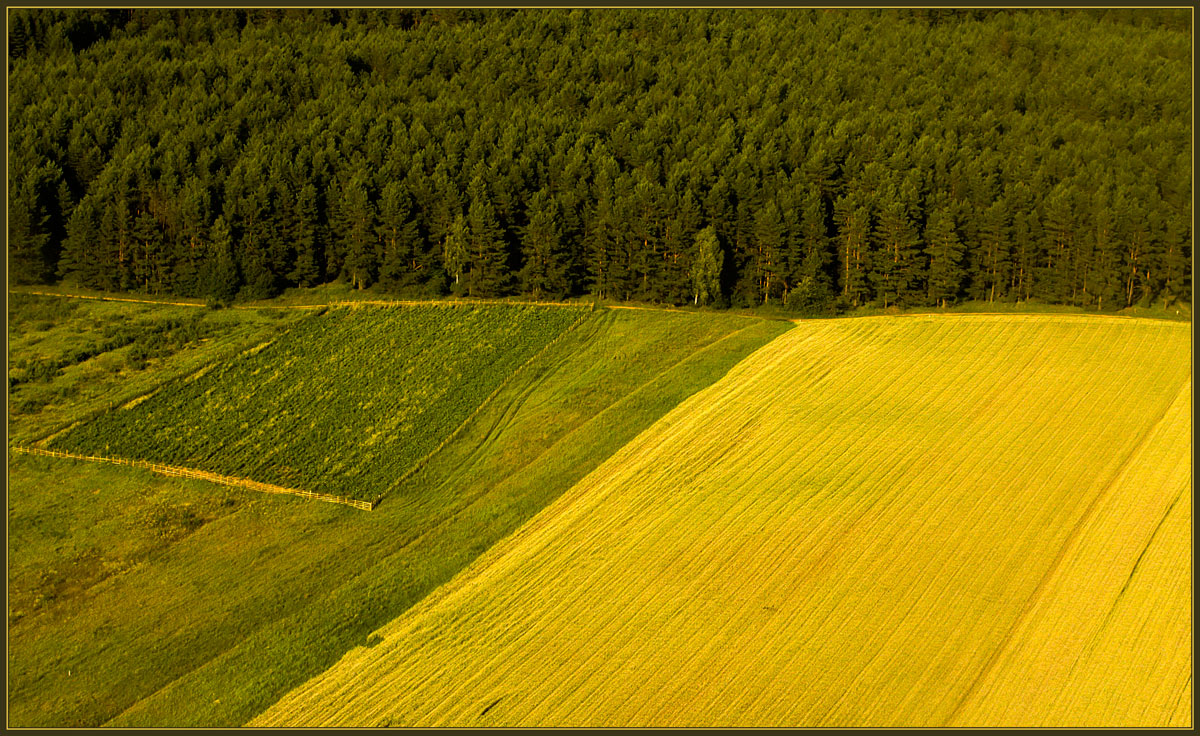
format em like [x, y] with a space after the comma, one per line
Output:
[591, 306]
[327, 304]
[182, 472]
[640, 308]
[448, 303]
[110, 298]
[1065, 316]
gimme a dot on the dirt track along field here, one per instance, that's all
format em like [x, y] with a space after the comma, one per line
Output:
[867, 522]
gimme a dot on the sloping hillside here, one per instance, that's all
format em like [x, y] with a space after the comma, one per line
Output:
[138, 600]
[868, 522]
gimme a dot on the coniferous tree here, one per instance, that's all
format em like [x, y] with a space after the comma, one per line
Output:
[80, 263]
[282, 226]
[602, 236]
[194, 223]
[681, 228]
[1175, 260]
[645, 206]
[945, 252]
[811, 290]
[1106, 282]
[306, 270]
[219, 279]
[28, 230]
[894, 272]
[747, 267]
[768, 249]
[545, 270]
[1025, 236]
[853, 223]
[401, 263]
[488, 273]
[994, 257]
[1133, 232]
[359, 235]
[115, 235]
[148, 252]
[1059, 231]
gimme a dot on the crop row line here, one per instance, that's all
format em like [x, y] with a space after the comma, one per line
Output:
[182, 472]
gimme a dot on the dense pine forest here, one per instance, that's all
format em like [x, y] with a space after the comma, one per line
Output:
[814, 159]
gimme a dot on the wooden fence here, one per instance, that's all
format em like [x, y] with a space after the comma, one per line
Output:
[180, 472]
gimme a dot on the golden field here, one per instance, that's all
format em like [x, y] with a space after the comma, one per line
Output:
[965, 520]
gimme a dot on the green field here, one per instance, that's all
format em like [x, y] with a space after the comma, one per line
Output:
[346, 403]
[180, 603]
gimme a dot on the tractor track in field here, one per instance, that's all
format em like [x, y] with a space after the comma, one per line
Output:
[1063, 553]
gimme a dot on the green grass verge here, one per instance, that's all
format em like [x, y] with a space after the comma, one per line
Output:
[216, 626]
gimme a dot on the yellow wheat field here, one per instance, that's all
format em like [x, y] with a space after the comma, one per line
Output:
[911, 521]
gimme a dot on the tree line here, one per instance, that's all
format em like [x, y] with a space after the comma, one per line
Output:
[815, 159]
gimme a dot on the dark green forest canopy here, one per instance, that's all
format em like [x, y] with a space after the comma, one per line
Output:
[842, 157]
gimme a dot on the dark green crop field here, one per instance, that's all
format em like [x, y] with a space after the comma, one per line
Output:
[345, 403]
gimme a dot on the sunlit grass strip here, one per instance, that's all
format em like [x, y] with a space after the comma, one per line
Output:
[179, 472]
[844, 531]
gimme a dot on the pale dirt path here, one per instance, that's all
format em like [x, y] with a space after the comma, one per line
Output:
[182, 472]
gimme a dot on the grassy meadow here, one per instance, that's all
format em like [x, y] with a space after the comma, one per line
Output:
[181, 603]
[963, 520]
[72, 359]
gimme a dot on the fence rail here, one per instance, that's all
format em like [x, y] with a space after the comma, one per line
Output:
[181, 472]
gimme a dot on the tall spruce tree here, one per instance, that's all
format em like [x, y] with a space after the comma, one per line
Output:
[853, 225]
[994, 259]
[401, 265]
[768, 249]
[307, 270]
[456, 249]
[945, 252]
[359, 233]
[811, 291]
[219, 279]
[80, 263]
[895, 273]
[545, 270]
[28, 228]
[488, 273]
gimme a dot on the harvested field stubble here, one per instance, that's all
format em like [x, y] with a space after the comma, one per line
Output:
[918, 521]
